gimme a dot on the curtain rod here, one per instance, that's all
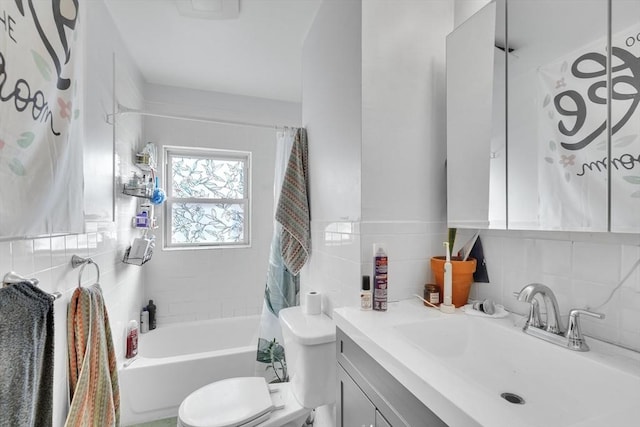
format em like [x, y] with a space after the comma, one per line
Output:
[126, 110]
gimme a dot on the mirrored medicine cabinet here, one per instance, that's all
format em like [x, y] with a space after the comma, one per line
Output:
[543, 124]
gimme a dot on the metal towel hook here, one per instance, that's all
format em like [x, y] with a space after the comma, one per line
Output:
[78, 261]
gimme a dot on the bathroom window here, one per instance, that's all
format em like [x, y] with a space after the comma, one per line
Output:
[207, 198]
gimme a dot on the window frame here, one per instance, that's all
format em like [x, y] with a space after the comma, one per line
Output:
[170, 152]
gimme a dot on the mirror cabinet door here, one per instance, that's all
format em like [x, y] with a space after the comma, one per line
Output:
[476, 161]
[557, 115]
[625, 116]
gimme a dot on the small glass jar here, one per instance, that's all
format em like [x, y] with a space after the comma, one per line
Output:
[432, 294]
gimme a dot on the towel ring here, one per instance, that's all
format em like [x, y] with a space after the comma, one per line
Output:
[77, 261]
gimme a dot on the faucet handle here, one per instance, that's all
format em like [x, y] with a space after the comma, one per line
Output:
[575, 341]
[577, 311]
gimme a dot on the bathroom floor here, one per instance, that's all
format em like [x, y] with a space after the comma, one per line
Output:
[166, 422]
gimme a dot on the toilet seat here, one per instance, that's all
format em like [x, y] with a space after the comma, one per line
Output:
[239, 402]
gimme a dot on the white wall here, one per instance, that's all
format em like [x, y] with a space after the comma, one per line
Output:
[377, 156]
[212, 283]
[48, 258]
[403, 130]
[463, 9]
[179, 101]
[331, 112]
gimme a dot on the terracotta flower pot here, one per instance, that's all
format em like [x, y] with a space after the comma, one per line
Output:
[461, 275]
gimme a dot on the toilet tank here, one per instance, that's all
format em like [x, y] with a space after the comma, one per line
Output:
[310, 352]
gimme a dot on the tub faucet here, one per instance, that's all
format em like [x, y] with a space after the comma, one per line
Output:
[552, 324]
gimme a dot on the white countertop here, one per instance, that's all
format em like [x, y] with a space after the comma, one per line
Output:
[458, 401]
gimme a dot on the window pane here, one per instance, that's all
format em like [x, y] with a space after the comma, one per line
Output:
[207, 178]
[207, 223]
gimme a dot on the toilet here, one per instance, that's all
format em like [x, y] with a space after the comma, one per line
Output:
[309, 342]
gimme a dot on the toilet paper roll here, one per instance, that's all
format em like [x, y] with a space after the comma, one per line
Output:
[312, 303]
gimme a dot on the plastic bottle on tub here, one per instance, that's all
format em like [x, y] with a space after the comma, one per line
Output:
[380, 277]
[152, 315]
[132, 339]
[144, 321]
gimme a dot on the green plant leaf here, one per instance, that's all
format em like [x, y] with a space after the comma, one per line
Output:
[548, 160]
[26, 138]
[42, 65]
[264, 353]
[632, 179]
[17, 167]
[552, 145]
[277, 352]
[636, 195]
[452, 239]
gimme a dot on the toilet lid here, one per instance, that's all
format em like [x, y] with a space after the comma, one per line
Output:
[232, 402]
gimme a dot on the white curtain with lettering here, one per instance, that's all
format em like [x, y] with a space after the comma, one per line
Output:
[573, 141]
[41, 183]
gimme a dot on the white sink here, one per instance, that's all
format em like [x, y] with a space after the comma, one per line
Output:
[560, 387]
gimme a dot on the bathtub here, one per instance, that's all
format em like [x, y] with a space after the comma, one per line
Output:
[174, 360]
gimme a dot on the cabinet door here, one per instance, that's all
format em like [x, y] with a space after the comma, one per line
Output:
[354, 409]
[380, 421]
[476, 114]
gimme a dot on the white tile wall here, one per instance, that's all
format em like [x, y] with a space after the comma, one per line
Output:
[334, 266]
[214, 283]
[581, 268]
[48, 259]
[409, 246]
[339, 260]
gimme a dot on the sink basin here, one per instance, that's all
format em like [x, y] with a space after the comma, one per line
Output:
[559, 387]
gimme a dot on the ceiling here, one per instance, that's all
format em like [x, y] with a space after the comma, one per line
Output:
[257, 54]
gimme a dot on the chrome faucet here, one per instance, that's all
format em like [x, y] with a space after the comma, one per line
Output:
[528, 293]
[551, 330]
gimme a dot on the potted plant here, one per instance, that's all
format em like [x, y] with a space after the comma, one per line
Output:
[271, 353]
[461, 273]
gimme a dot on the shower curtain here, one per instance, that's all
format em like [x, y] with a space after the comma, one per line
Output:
[282, 286]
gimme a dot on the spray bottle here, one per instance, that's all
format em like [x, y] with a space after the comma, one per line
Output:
[380, 278]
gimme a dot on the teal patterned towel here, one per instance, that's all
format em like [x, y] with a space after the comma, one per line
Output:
[293, 211]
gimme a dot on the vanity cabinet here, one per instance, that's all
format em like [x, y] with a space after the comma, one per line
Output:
[355, 408]
[367, 395]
